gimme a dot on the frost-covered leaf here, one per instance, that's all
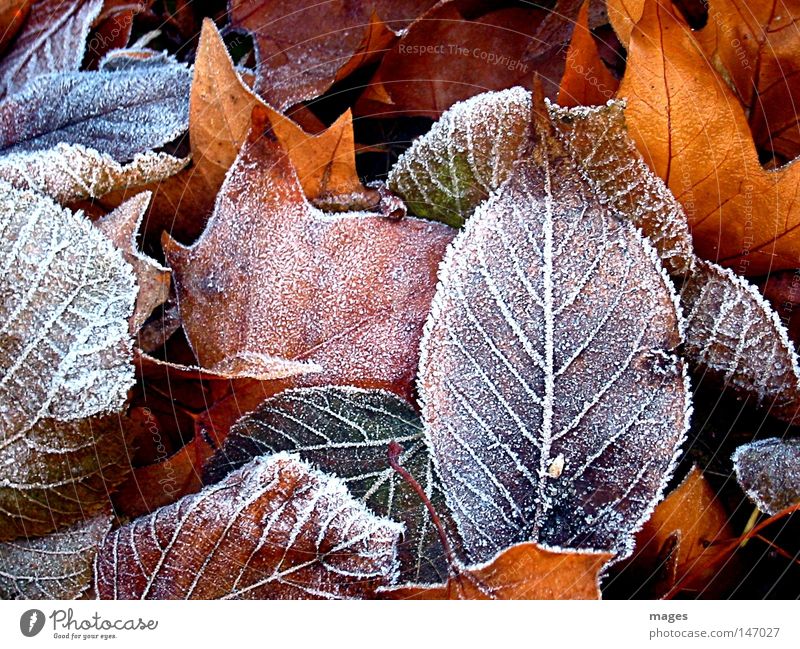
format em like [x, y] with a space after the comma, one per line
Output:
[58, 473]
[522, 571]
[472, 149]
[734, 335]
[122, 229]
[274, 529]
[129, 106]
[349, 292]
[66, 295]
[70, 172]
[551, 397]
[769, 472]
[597, 140]
[346, 432]
[52, 40]
[57, 566]
[465, 156]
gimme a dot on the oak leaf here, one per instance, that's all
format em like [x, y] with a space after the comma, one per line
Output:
[346, 432]
[347, 292]
[768, 470]
[551, 320]
[57, 566]
[522, 571]
[274, 529]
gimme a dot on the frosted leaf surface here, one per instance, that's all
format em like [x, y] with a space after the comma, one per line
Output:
[552, 400]
[274, 275]
[122, 228]
[120, 111]
[465, 156]
[769, 472]
[737, 338]
[346, 432]
[274, 529]
[71, 172]
[59, 473]
[57, 566]
[53, 39]
[597, 140]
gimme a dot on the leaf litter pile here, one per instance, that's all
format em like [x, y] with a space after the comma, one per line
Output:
[393, 300]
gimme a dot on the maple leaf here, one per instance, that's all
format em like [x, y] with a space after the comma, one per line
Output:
[675, 548]
[455, 51]
[346, 432]
[132, 104]
[586, 81]
[122, 227]
[56, 566]
[551, 318]
[274, 529]
[348, 292]
[768, 471]
[303, 48]
[693, 133]
[71, 172]
[53, 39]
[522, 571]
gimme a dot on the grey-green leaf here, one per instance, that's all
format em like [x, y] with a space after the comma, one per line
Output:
[769, 472]
[346, 431]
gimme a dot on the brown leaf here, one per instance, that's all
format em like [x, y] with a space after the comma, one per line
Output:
[552, 317]
[303, 46]
[347, 292]
[13, 14]
[675, 545]
[449, 54]
[768, 470]
[693, 133]
[586, 80]
[275, 529]
[57, 566]
[52, 40]
[523, 571]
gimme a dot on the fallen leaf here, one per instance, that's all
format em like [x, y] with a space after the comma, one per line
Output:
[153, 280]
[71, 172]
[129, 106]
[56, 566]
[522, 571]
[67, 295]
[55, 473]
[768, 471]
[553, 403]
[346, 432]
[449, 54]
[739, 340]
[275, 529]
[675, 547]
[754, 46]
[692, 132]
[302, 47]
[53, 39]
[586, 81]
[347, 292]
[782, 291]
[445, 174]
[623, 16]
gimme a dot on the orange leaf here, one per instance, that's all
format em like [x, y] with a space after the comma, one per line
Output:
[693, 133]
[586, 80]
[522, 571]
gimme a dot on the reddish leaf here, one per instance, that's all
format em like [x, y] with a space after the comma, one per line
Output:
[348, 292]
[275, 529]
